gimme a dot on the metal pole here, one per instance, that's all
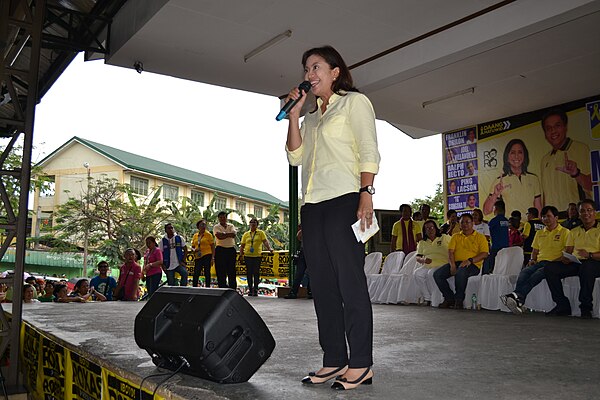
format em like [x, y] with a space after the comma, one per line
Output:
[293, 222]
[87, 229]
[32, 96]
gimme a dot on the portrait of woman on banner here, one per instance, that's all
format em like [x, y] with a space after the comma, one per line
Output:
[518, 188]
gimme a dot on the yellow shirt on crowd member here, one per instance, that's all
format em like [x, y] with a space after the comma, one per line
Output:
[205, 246]
[550, 244]
[436, 250]
[580, 239]
[420, 228]
[253, 242]
[559, 188]
[336, 147]
[468, 246]
[397, 231]
[519, 192]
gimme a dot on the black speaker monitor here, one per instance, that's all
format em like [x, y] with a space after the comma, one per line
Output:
[215, 333]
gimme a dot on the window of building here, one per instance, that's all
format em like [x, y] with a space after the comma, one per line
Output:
[198, 198]
[170, 192]
[220, 203]
[50, 187]
[139, 185]
[258, 211]
[240, 206]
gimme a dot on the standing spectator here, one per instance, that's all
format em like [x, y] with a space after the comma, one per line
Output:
[153, 265]
[548, 246]
[532, 225]
[337, 148]
[466, 252]
[203, 246]
[28, 294]
[61, 296]
[405, 232]
[516, 214]
[103, 283]
[48, 295]
[566, 168]
[83, 290]
[499, 235]
[251, 251]
[174, 252]
[129, 278]
[451, 226]
[425, 210]
[573, 220]
[225, 252]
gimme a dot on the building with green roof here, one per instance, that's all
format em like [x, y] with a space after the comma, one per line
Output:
[69, 165]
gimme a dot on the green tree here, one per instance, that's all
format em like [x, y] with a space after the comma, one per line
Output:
[12, 184]
[436, 202]
[112, 216]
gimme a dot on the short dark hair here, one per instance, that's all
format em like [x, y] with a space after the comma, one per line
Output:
[555, 111]
[102, 264]
[450, 213]
[552, 209]
[516, 214]
[499, 204]
[588, 201]
[167, 225]
[533, 211]
[466, 215]
[405, 205]
[222, 213]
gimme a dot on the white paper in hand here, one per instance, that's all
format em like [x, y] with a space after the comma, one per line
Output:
[571, 257]
[368, 232]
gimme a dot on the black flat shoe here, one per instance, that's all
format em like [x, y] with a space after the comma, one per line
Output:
[314, 379]
[343, 384]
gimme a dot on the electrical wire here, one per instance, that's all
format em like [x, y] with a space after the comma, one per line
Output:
[183, 362]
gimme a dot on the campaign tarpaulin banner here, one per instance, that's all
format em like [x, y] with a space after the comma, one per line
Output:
[526, 163]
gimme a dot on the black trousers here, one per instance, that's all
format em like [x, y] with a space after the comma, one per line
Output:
[253, 273]
[202, 265]
[225, 266]
[588, 272]
[335, 263]
[555, 272]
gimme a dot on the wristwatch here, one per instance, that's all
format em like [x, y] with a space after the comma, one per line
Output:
[369, 189]
[471, 261]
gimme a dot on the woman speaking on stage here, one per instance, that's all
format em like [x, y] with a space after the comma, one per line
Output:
[337, 148]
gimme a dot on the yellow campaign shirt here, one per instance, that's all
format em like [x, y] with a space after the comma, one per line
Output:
[466, 247]
[253, 242]
[397, 231]
[336, 147]
[550, 244]
[559, 188]
[581, 239]
[437, 250]
[519, 192]
[205, 246]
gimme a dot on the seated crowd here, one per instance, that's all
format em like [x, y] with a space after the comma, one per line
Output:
[463, 246]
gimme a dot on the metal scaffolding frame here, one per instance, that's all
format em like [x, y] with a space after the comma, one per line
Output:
[37, 42]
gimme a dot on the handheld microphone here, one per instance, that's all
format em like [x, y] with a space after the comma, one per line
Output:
[304, 86]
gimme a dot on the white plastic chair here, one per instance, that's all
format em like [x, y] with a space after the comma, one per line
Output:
[400, 287]
[596, 302]
[391, 265]
[373, 263]
[509, 262]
